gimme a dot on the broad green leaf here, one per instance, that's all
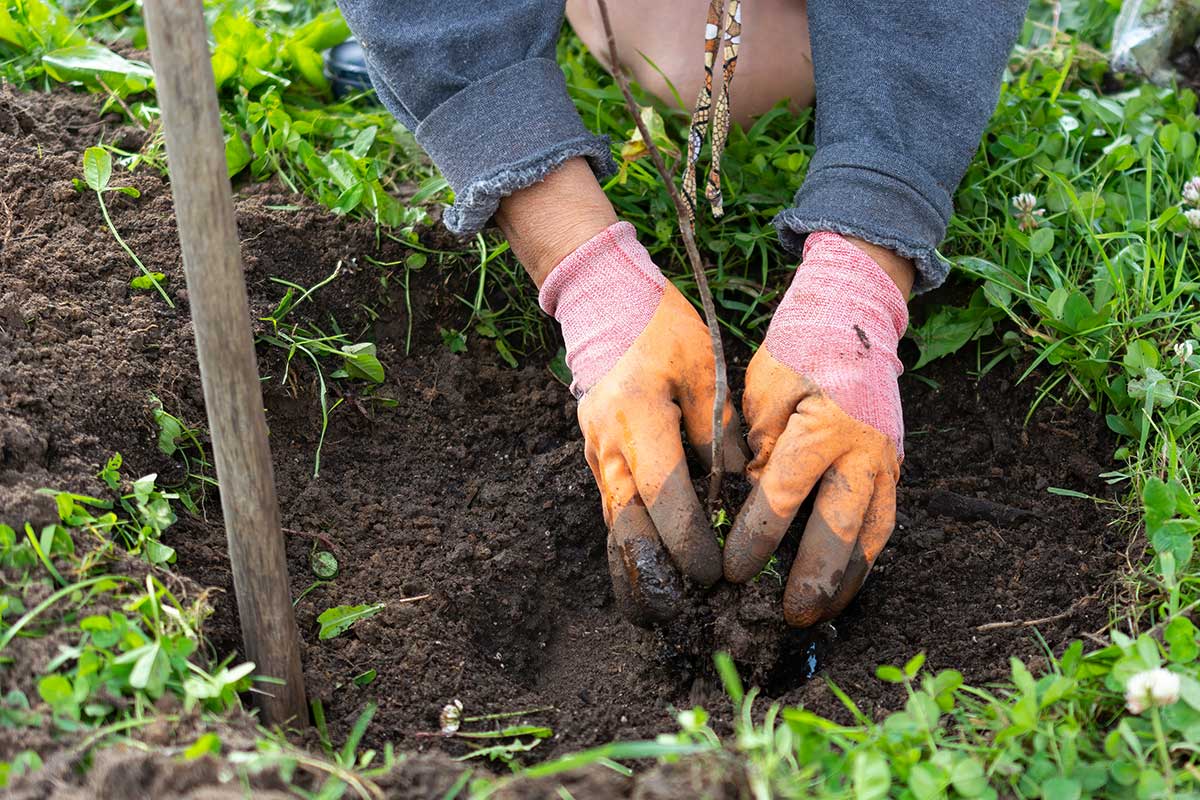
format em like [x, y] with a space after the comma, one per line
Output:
[968, 778]
[1189, 691]
[1160, 505]
[208, 743]
[143, 668]
[323, 31]
[1022, 678]
[1042, 241]
[871, 776]
[158, 553]
[56, 691]
[143, 487]
[928, 781]
[349, 199]
[1181, 638]
[363, 141]
[454, 340]
[237, 154]
[309, 64]
[1151, 784]
[888, 673]
[91, 63]
[97, 168]
[1076, 311]
[914, 665]
[362, 363]
[1061, 788]
[324, 564]
[1176, 537]
[1140, 355]
[948, 329]
[337, 620]
[1155, 390]
[147, 281]
[343, 168]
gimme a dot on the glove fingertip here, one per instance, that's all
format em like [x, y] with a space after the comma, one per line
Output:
[646, 586]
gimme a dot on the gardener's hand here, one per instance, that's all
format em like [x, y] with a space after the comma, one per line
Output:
[823, 407]
[641, 362]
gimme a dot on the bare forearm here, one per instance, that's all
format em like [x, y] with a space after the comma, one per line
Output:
[546, 221]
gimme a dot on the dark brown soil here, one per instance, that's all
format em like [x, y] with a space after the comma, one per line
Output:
[473, 488]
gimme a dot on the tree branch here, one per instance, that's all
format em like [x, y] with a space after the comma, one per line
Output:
[689, 241]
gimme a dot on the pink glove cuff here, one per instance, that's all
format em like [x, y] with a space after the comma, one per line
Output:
[603, 295]
[839, 324]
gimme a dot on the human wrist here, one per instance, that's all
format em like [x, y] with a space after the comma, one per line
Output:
[839, 324]
[547, 221]
[837, 285]
[900, 269]
[603, 295]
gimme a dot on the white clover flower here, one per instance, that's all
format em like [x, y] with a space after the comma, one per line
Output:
[451, 717]
[1191, 190]
[1025, 202]
[1193, 217]
[1155, 687]
[1185, 350]
[1025, 209]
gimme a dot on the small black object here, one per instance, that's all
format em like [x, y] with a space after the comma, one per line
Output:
[346, 69]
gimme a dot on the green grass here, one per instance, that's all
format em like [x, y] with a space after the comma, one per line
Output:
[355, 360]
[1092, 280]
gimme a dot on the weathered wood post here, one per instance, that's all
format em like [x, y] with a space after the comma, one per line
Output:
[228, 370]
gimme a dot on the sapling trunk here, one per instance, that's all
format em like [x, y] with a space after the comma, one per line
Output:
[689, 241]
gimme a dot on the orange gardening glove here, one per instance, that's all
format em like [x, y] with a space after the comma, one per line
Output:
[641, 363]
[823, 407]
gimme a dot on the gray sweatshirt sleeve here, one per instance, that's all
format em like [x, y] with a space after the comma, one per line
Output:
[904, 91]
[478, 86]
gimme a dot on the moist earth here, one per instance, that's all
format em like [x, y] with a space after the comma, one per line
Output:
[461, 481]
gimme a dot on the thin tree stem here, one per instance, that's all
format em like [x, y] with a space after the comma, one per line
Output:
[721, 383]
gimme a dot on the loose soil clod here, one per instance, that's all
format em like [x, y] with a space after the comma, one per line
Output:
[474, 489]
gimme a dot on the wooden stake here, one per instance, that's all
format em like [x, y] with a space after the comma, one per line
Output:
[228, 371]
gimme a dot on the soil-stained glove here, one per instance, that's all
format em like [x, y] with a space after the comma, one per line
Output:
[823, 406]
[641, 361]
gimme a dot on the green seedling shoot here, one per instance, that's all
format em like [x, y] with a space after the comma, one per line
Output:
[337, 620]
[97, 172]
[358, 360]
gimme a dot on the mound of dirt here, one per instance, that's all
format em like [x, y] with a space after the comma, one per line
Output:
[471, 487]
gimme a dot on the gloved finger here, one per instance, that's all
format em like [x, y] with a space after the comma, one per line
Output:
[612, 478]
[646, 585]
[697, 421]
[651, 443]
[829, 538]
[800, 456]
[773, 395]
[878, 524]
